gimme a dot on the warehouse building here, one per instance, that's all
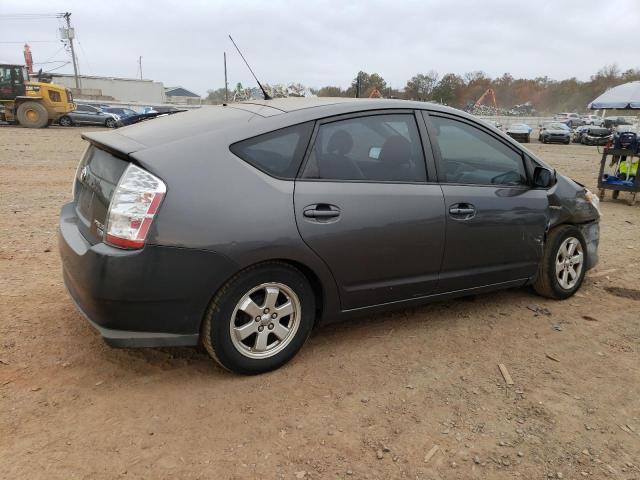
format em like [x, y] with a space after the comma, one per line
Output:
[181, 95]
[113, 88]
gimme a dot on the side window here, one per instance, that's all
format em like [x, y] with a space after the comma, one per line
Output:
[82, 108]
[372, 148]
[471, 156]
[277, 153]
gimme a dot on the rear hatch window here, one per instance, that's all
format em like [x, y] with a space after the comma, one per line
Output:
[96, 179]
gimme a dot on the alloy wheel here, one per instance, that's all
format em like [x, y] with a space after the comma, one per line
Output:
[569, 262]
[265, 320]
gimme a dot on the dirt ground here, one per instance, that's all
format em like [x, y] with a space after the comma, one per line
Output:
[364, 399]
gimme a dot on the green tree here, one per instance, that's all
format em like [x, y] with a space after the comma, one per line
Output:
[217, 96]
[330, 91]
[449, 90]
[420, 86]
[368, 82]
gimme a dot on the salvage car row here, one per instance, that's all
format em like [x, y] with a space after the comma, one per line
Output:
[560, 132]
[112, 117]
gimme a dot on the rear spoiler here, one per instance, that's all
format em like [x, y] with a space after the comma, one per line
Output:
[114, 143]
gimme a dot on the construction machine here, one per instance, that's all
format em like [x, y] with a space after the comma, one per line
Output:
[489, 91]
[32, 104]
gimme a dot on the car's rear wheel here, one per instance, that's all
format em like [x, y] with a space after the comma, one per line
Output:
[259, 319]
[563, 263]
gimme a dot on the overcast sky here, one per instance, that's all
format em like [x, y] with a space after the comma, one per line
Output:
[322, 43]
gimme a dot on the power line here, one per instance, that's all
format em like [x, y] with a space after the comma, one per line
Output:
[30, 41]
[57, 68]
[26, 16]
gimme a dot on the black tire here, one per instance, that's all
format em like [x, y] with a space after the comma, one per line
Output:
[566, 142]
[546, 283]
[110, 123]
[65, 121]
[32, 115]
[216, 334]
[544, 139]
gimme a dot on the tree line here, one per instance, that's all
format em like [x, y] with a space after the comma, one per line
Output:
[462, 91]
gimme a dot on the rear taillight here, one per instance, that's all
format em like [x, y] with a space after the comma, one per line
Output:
[133, 205]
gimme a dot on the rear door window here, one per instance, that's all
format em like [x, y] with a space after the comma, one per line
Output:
[278, 153]
[375, 148]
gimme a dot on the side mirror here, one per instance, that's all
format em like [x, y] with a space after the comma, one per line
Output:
[543, 177]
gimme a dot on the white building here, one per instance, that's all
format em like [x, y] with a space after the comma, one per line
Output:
[119, 89]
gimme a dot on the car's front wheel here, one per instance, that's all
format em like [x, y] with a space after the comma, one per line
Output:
[110, 123]
[259, 319]
[563, 263]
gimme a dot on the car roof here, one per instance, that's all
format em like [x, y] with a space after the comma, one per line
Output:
[294, 104]
[240, 120]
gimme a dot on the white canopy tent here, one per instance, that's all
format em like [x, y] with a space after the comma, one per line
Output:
[622, 97]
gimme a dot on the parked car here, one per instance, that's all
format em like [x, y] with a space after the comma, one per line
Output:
[576, 134]
[139, 117]
[520, 132]
[572, 120]
[243, 226]
[557, 132]
[88, 115]
[595, 136]
[596, 120]
[612, 122]
[122, 112]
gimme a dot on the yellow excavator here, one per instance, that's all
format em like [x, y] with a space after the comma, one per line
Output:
[28, 103]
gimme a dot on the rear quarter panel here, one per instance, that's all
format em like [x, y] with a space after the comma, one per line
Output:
[217, 202]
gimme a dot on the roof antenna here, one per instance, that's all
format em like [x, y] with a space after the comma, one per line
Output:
[264, 92]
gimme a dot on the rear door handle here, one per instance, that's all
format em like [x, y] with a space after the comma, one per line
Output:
[321, 211]
[462, 211]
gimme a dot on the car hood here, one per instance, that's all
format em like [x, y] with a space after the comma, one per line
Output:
[518, 130]
[557, 131]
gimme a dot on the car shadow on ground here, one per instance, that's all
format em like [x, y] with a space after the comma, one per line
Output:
[465, 313]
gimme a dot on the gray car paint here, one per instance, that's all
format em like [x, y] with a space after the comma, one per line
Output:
[218, 203]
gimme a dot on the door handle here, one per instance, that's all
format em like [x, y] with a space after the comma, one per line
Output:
[462, 211]
[321, 211]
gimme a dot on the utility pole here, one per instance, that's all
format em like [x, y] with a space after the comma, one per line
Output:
[226, 83]
[69, 36]
[140, 64]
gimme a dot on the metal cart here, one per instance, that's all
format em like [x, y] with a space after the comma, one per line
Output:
[617, 186]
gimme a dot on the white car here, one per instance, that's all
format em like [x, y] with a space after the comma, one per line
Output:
[594, 120]
[572, 120]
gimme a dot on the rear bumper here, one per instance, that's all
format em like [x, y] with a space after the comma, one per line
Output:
[151, 297]
[589, 140]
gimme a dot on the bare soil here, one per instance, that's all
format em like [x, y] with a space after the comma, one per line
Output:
[364, 399]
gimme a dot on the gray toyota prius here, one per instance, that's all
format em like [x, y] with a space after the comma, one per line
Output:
[242, 226]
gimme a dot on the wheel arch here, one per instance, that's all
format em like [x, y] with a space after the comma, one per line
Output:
[317, 286]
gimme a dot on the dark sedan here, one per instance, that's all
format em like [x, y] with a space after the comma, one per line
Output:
[554, 132]
[85, 114]
[243, 226]
[595, 136]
